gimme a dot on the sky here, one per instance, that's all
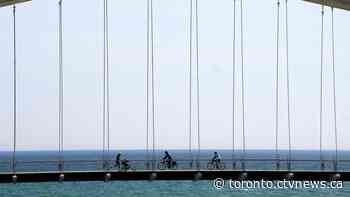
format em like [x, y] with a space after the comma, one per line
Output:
[37, 47]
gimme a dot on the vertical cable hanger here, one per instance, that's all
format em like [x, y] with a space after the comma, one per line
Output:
[198, 86]
[190, 86]
[147, 84]
[14, 92]
[277, 156]
[104, 87]
[60, 78]
[233, 83]
[322, 165]
[334, 95]
[242, 84]
[288, 91]
[152, 78]
[107, 85]
[106, 132]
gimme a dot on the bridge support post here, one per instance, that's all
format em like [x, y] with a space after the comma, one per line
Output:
[234, 165]
[323, 166]
[278, 165]
[147, 164]
[243, 166]
[335, 165]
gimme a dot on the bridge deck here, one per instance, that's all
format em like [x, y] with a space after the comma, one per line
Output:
[4, 3]
[172, 175]
[341, 4]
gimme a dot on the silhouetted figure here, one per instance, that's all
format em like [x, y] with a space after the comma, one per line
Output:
[216, 160]
[168, 159]
[117, 160]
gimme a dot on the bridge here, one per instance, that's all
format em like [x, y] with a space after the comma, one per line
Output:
[194, 167]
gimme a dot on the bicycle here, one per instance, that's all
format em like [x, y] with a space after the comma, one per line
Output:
[125, 166]
[216, 165]
[164, 165]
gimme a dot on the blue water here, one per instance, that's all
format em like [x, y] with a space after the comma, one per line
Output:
[157, 188]
[152, 189]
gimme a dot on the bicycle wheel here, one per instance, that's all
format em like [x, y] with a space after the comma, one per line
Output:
[162, 166]
[221, 166]
[210, 166]
[131, 169]
[174, 166]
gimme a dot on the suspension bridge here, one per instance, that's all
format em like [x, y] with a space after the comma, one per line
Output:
[193, 167]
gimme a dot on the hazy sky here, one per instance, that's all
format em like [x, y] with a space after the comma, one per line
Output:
[83, 47]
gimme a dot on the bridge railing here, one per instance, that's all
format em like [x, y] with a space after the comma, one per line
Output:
[181, 164]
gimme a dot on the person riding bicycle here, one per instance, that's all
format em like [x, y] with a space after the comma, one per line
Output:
[121, 163]
[216, 159]
[168, 159]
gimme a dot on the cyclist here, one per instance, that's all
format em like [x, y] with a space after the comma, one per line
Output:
[121, 163]
[216, 160]
[117, 160]
[168, 159]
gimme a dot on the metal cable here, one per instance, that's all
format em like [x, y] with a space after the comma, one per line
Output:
[233, 82]
[288, 91]
[104, 86]
[190, 84]
[198, 104]
[334, 95]
[147, 84]
[14, 92]
[242, 84]
[60, 126]
[277, 84]
[107, 83]
[153, 104]
[321, 87]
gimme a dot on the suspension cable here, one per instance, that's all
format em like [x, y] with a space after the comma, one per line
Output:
[104, 84]
[153, 104]
[242, 84]
[147, 88]
[288, 90]
[321, 87]
[197, 77]
[233, 83]
[105, 87]
[334, 95]
[14, 92]
[107, 82]
[60, 78]
[190, 85]
[277, 85]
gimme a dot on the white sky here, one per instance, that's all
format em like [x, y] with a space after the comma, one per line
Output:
[83, 42]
